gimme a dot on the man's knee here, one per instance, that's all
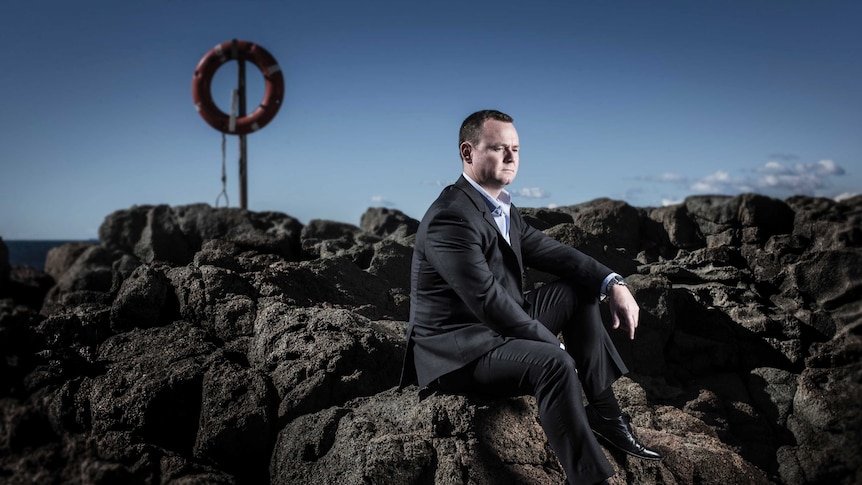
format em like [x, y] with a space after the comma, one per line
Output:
[559, 364]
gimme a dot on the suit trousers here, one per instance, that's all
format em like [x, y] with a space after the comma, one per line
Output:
[555, 377]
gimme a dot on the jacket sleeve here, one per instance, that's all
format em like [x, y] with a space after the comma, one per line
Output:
[545, 253]
[454, 247]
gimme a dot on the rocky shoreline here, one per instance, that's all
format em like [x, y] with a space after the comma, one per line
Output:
[202, 345]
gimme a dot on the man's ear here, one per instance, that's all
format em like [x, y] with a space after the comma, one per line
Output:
[466, 151]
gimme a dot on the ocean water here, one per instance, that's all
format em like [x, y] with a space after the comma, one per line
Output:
[31, 253]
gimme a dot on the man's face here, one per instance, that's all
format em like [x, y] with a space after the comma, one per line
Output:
[493, 161]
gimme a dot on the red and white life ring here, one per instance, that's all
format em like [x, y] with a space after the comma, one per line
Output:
[202, 83]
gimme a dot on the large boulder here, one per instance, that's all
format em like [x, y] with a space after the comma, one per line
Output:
[404, 437]
[615, 223]
[318, 358]
[237, 419]
[89, 280]
[389, 223]
[59, 259]
[175, 234]
[398, 437]
[27, 286]
[670, 229]
[826, 421]
[141, 300]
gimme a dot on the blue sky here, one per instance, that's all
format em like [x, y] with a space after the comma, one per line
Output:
[642, 101]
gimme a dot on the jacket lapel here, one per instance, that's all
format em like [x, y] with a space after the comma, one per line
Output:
[514, 228]
[515, 222]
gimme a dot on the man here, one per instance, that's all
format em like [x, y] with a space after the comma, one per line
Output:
[473, 330]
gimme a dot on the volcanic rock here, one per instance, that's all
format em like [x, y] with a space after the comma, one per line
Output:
[202, 345]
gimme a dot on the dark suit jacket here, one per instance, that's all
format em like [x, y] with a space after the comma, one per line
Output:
[466, 283]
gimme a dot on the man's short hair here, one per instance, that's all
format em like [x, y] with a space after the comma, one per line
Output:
[472, 126]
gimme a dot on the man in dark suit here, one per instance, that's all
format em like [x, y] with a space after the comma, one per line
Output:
[474, 330]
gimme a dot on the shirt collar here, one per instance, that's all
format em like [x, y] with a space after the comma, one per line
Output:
[502, 203]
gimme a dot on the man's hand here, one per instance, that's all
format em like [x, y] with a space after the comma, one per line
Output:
[624, 309]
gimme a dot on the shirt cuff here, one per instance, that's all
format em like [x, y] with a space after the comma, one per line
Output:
[605, 283]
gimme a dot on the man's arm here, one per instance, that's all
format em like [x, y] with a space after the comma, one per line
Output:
[453, 246]
[547, 254]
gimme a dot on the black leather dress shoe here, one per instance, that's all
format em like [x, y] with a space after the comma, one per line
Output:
[618, 433]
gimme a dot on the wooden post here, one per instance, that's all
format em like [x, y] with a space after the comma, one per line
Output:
[243, 149]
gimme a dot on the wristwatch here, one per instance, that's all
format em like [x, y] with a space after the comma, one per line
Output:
[616, 280]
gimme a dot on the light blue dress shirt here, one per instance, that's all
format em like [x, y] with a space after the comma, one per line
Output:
[500, 207]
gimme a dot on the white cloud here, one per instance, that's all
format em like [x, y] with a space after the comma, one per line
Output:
[531, 193]
[830, 167]
[718, 177]
[668, 177]
[380, 200]
[781, 176]
[778, 177]
[822, 167]
[720, 182]
[772, 167]
[796, 179]
[845, 196]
